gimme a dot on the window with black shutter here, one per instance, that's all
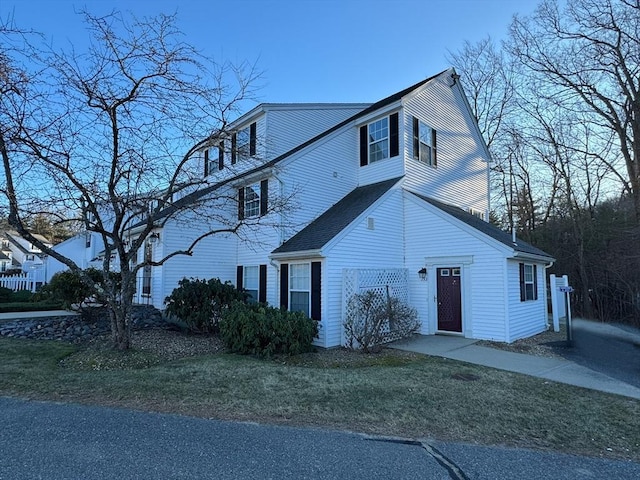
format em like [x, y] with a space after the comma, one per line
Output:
[379, 140]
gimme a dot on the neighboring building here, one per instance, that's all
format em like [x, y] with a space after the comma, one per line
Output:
[84, 249]
[391, 196]
[21, 252]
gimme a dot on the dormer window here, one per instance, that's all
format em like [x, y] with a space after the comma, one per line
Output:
[213, 159]
[379, 140]
[424, 143]
[243, 143]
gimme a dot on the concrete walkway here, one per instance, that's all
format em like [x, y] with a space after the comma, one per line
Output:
[555, 369]
[8, 316]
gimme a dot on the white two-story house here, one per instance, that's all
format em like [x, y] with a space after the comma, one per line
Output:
[339, 198]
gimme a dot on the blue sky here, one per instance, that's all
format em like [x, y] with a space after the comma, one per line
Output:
[309, 50]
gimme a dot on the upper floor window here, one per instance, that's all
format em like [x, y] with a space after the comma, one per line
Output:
[253, 200]
[528, 282]
[424, 143]
[213, 159]
[379, 140]
[243, 143]
[477, 213]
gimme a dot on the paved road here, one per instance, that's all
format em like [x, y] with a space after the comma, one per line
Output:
[43, 440]
[610, 349]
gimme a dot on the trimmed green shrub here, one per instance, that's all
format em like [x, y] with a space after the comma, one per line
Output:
[201, 303]
[68, 288]
[257, 329]
[29, 306]
[5, 294]
[22, 296]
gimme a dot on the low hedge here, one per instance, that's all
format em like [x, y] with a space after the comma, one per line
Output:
[29, 306]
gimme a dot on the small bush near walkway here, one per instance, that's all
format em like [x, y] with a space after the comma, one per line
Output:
[374, 319]
[257, 329]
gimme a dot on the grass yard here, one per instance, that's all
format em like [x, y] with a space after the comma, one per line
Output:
[391, 393]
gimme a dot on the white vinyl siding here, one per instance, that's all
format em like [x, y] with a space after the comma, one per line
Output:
[460, 178]
[430, 234]
[362, 247]
[289, 126]
[530, 317]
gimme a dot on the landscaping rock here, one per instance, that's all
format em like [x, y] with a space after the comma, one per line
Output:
[77, 329]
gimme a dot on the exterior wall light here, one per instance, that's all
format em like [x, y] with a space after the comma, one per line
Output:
[422, 273]
[154, 237]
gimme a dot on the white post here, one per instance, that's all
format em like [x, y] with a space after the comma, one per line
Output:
[554, 302]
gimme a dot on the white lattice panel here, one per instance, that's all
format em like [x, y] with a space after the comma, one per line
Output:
[395, 281]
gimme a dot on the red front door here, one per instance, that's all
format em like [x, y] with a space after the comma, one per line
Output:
[449, 300]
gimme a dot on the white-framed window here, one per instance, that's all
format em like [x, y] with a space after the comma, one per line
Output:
[146, 270]
[477, 213]
[427, 148]
[242, 144]
[528, 282]
[251, 281]
[211, 158]
[379, 140]
[3, 267]
[300, 288]
[252, 200]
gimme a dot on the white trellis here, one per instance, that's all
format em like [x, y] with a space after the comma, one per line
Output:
[393, 282]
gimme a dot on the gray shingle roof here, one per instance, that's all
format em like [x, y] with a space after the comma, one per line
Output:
[319, 232]
[485, 228]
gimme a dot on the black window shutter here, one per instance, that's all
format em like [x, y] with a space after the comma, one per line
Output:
[316, 290]
[434, 149]
[264, 196]
[252, 139]
[364, 146]
[239, 277]
[262, 289]
[416, 138]
[234, 146]
[394, 140]
[284, 285]
[523, 290]
[206, 162]
[221, 156]
[535, 282]
[241, 203]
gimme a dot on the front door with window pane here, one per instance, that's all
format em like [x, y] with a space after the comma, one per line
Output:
[449, 301]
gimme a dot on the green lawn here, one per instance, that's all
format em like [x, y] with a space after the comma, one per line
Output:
[415, 397]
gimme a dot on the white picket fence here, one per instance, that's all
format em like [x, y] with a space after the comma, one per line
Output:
[20, 281]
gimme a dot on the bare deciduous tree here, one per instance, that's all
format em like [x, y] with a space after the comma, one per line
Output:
[108, 136]
[591, 53]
